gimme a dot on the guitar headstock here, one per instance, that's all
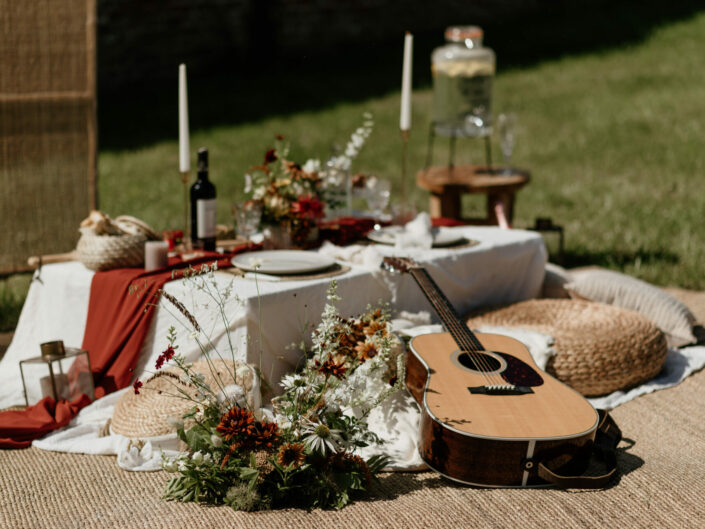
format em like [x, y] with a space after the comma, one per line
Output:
[400, 265]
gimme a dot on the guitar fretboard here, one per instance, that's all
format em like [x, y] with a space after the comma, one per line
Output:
[457, 328]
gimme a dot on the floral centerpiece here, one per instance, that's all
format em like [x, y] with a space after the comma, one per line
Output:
[302, 451]
[295, 197]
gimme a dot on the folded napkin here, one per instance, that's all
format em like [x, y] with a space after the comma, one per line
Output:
[367, 256]
[416, 234]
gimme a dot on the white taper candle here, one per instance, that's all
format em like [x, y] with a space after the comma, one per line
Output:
[184, 148]
[405, 115]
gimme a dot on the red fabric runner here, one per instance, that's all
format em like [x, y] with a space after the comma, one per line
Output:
[116, 326]
[348, 230]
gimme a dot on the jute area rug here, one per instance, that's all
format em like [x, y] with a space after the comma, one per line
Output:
[661, 484]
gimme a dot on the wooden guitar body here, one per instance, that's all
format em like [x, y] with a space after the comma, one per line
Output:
[490, 417]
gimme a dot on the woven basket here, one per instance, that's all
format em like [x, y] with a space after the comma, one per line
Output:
[147, 414]
[103, 252]
[600, 348]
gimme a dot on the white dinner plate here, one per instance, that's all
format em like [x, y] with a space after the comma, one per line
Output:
[282, 262]
[441, 236]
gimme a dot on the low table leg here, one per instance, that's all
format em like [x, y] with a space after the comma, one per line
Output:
[445, 205]
[506, 202]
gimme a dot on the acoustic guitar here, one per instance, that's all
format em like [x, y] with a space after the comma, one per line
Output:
[489, 415]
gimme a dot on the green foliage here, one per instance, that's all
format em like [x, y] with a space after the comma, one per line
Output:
[12, 294]
[301, 453]
[612, 138]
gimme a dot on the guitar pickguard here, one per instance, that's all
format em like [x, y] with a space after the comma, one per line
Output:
[519, 373]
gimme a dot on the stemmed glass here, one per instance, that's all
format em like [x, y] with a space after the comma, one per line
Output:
[507, 131]
[378, 192]
[247, 217]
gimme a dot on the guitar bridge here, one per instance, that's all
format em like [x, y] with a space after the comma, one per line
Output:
[500, 389]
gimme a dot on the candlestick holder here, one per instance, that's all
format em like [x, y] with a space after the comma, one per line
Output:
[405, 211]
[187, 225]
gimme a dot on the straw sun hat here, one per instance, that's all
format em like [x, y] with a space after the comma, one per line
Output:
[600, 348]
[147, 414]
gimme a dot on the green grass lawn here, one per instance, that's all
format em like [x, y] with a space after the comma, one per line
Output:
[613, 138]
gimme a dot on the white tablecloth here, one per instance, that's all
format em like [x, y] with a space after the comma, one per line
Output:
[507, 266]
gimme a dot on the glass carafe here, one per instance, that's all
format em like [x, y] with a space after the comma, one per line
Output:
[463, 71]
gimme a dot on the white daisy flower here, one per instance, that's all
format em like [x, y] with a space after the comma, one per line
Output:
[312, 166]
[321, 438]
[294, 383]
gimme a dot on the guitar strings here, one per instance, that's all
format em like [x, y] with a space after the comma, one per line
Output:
[462, 335]
[451, 318]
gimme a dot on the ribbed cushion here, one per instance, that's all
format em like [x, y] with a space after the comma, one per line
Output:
[554, 281]
[620, 290]
[599, 348]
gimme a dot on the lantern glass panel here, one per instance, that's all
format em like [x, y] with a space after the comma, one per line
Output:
[60, 377]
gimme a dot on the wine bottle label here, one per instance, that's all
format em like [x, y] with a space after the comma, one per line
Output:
[205, 218]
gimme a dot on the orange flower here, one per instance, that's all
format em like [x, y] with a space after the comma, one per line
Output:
[330, 367]
[365, 351]
[344, 460]
[236, 422]
[373, 327]
[291, 454]
[264, 434]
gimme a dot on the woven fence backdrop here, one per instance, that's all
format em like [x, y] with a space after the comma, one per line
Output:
[47, 126]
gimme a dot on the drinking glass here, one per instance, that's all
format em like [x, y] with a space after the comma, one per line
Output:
[247, 217]
[507, 131]
[378, 192]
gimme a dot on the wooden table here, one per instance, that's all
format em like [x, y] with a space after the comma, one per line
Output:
[447, 185]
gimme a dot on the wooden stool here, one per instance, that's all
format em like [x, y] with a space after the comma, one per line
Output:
[447, 184]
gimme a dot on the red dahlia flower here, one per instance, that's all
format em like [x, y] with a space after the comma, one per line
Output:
[165, 357]
[270, 156]
[308, 207]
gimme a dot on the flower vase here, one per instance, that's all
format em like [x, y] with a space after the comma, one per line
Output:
[291, 235]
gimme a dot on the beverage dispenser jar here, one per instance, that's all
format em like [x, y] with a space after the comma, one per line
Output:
[462, 84]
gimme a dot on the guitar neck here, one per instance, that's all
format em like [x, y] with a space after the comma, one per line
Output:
[457, 328]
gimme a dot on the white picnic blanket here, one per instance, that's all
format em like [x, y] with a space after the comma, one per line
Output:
[396, 421]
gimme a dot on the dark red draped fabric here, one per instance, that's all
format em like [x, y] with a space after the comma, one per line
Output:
[120, 310]
[348, 230]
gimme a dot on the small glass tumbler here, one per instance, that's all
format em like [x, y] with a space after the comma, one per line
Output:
[506, 123]
[247, 217]
[378, 192]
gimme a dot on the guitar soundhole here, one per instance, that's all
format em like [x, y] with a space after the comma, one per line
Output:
[482, 362]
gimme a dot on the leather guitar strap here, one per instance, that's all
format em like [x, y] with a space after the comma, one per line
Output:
[607, 438]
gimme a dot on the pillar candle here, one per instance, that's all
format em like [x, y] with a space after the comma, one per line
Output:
[405, 116]
[156, 255]
[62, 386]
[184, 149]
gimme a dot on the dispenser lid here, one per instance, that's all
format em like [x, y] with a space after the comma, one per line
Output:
[461, 33]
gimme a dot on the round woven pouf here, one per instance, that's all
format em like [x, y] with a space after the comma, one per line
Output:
[599, 348]
[147, 414]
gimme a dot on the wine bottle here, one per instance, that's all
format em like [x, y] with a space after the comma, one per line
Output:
[203, 206]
